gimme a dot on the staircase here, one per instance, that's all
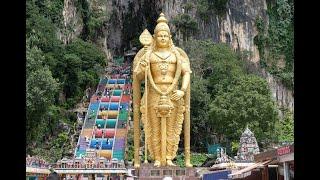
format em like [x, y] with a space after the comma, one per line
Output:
[105, 126]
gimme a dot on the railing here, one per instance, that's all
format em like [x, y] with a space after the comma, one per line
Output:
[85, 119]
[116, 126]
[99, 102]
[34, 163]
[81, 163]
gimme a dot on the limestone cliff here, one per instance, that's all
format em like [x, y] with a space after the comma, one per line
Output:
[126, 19]
[72, 22]
[283, 96]
[235, 26]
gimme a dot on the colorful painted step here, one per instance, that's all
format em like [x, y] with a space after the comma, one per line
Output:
[125, 98]
[121, 81]
[112, 81]
[86, 132]
[94, 107]
[107, 144]
[115, 98]
[109, 133]
[123, 115]
[105, 99]
[117, 92]
[104, 106]
[80, 153]
[111, 123]
[114, 106]
[103, 81]
[113, 114]
[105, 153]
[95, 142]
[100, 123]
[121, 133]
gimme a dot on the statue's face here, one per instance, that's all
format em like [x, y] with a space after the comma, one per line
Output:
[162, 39]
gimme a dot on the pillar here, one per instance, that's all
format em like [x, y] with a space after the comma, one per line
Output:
[63, 176]
[92, 176]
[286, 171]
[106, 177]
[265, 173]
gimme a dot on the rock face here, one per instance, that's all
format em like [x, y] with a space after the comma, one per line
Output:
[283, 96]
[126, 19]
[236, 26]
[112, 32]
[72, 22]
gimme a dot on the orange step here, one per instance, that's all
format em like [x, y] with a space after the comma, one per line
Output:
[105, 153]
[121, 133]
[86, 132]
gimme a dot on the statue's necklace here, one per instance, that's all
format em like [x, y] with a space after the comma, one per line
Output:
[175, 79]
[163, 64]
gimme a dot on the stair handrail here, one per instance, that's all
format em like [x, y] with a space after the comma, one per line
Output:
[85, 120]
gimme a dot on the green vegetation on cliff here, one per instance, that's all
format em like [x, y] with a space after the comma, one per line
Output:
[57, 76]
[276, 41]
[185, 24]
[206, 8]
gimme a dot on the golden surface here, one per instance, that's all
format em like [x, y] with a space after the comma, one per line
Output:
[163, 109]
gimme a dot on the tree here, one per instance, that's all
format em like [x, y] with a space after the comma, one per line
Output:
[247, 100]
[285, 128]
[41, 90]
[225, 66]
[78, 69]
[73, 67]
[54, 69]
[200, 100]
[186, 24]
[214, 66]
[198, 54]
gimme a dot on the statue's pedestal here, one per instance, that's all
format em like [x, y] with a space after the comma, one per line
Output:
[148, 171]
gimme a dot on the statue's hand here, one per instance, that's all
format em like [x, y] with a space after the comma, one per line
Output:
[144, 62]
[177, 94]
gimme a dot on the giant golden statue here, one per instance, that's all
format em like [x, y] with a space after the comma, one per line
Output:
[164, 108]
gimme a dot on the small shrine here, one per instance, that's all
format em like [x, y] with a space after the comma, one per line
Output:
[222, 156]
[248, 146]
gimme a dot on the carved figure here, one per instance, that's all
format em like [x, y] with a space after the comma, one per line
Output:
[164, 107]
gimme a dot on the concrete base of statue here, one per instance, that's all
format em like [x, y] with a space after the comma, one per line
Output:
[148, 171]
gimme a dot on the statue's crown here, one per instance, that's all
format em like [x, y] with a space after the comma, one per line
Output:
[162, 19]
[162, 24]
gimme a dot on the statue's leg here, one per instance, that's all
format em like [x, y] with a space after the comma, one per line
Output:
[147, 132]
[155, 135]
[174, 128]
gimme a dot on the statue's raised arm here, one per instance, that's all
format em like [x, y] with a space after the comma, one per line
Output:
[164, 107]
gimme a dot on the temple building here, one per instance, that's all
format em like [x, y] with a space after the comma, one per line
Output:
[248, 146]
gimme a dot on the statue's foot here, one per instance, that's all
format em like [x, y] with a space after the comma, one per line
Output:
[157, 163]
[170, 163]
[188, 164]
[136, 165]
